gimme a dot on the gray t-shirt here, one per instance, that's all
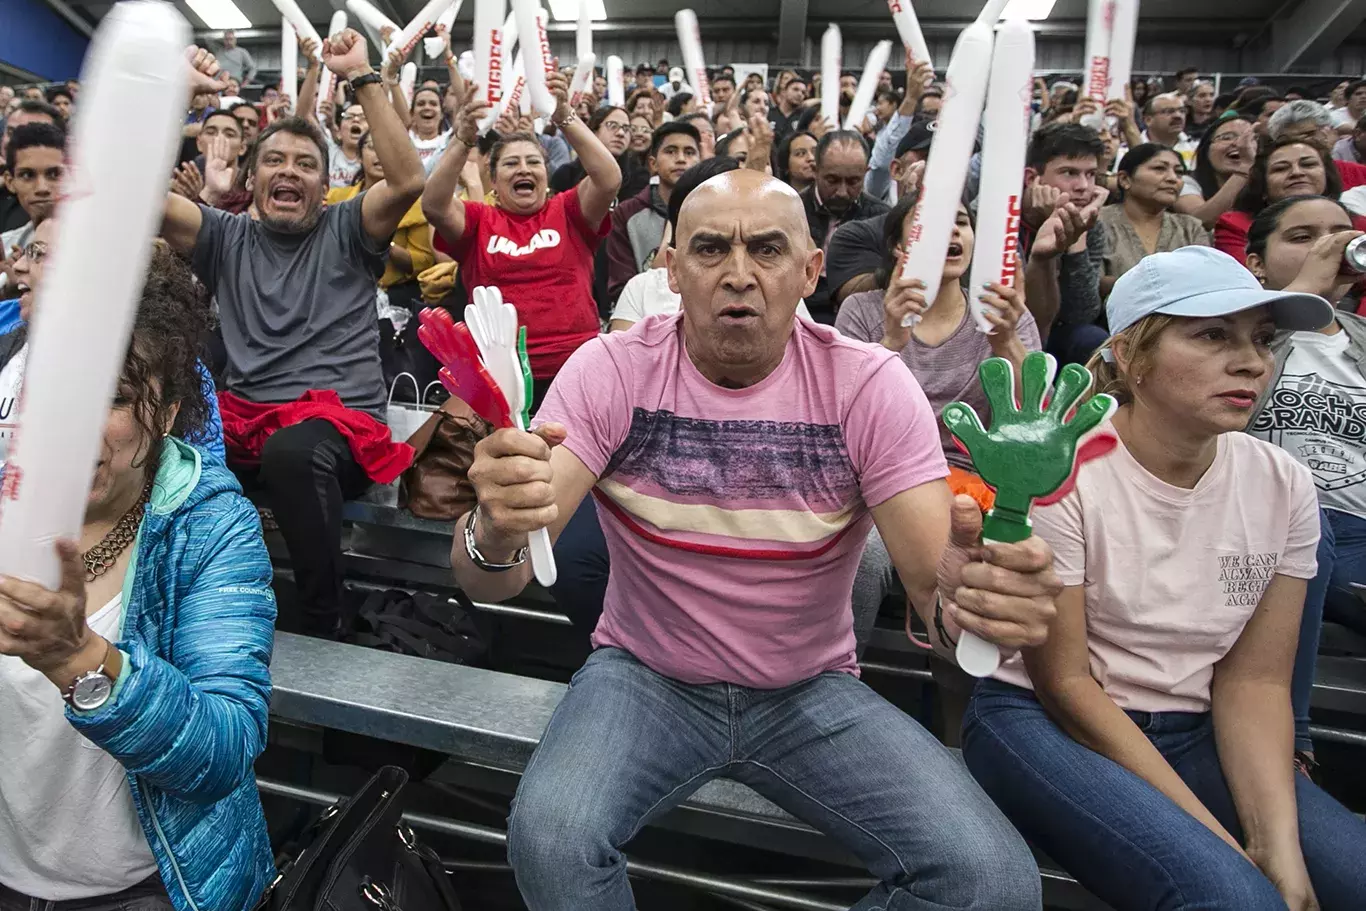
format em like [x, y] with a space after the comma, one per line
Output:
[298, 310]
[236, 62]
[946, 371]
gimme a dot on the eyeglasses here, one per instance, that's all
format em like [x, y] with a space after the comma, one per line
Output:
[613, 127]
[642, 131]
[352, 116]
[1227, 137]
[35, 252]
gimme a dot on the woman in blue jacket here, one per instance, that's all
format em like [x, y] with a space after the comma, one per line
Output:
[133, 700]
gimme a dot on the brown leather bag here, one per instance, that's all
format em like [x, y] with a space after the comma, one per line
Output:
[437, 486]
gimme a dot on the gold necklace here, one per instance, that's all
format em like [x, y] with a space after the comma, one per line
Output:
[102, 557]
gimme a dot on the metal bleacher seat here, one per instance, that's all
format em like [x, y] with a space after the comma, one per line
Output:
[489, 723]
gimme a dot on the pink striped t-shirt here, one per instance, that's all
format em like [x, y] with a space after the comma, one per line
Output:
[735, 518]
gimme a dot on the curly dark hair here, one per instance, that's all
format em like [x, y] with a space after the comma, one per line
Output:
[1253, 197]
[161, 372]
[504, 141]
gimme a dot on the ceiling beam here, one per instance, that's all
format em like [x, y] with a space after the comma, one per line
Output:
[1313, 30]
[73, 18]
[859, 28]
[791, 31]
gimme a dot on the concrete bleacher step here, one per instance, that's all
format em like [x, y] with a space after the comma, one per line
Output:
[493, 721]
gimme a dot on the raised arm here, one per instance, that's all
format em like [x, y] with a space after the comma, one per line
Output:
[443, 209]
[760, 156]
[181, 221]
[598, 190]
[308, 92]
[385, 204]
[391, 70]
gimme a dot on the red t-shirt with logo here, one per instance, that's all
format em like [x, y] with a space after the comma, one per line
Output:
[543, 264]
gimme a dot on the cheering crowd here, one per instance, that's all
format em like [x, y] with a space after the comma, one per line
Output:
[737, 450]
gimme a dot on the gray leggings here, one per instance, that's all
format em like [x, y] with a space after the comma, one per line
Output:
[148, 895]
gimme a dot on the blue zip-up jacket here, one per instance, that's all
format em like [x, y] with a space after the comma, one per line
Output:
[188, 716]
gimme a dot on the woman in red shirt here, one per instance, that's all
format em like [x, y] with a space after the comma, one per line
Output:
[1288, 168]
[537, 251]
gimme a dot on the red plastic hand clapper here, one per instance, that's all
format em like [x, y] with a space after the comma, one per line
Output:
[462, 372]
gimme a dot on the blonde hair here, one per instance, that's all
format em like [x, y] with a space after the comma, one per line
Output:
[1140, 344]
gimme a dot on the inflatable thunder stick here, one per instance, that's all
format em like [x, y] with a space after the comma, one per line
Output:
[1122, 38]
[867, 84]
[583, 78]
[583, 35]
[289, 63]
[437, 45]
[488, 54]
[327, 80]
[991, 13]
[1009, 95]
[485, 365]
[530, 28]
[831, 65]
[295, 17]
[690, 40]
[616, 84]
[1100, 23]
[367, 14]
[908, 27]
[946, 170]
[517, 97]
[407, 80]
[115, 195]
[412, 33]
[1031, 452]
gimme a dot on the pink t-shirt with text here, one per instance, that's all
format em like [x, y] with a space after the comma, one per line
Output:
[736, 518]
[1173, 575]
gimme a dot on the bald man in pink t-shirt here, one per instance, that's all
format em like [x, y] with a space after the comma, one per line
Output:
[739, 457]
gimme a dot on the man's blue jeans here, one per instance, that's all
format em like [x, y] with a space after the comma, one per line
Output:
[1128, 842]
[627, 744]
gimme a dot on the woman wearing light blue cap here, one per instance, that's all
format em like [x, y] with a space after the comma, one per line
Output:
[1147, 746]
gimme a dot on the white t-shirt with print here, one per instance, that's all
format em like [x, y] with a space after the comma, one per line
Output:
[341, 171]
[68, 828]
[1317, 413]
[648, 294]
[431, 150]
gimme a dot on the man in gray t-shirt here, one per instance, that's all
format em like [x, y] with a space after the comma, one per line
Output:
[298, 310]
[235, 61]
[296, 293]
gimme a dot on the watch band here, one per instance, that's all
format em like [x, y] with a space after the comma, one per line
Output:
[69, 693]
[477, 558]
[939, 629]
[361, 82]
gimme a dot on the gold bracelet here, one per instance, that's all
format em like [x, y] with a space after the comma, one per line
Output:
[569, 118]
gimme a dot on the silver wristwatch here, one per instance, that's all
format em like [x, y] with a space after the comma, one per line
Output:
[92, 689]
[477, 558]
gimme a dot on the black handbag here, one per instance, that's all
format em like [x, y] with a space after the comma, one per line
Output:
[360, 856]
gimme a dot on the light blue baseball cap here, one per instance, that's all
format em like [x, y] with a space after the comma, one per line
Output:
[1201, 282]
